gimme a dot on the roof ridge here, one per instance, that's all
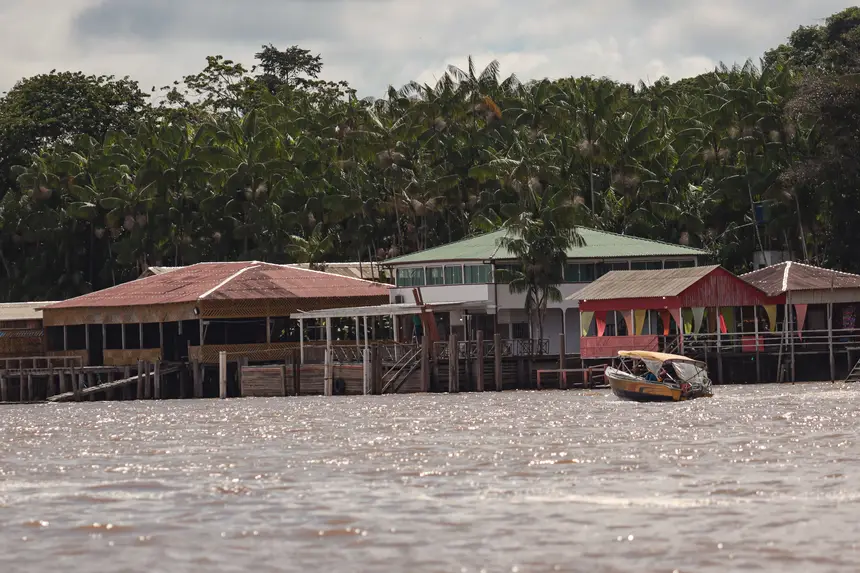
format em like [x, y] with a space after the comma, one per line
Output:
[645, 239]
[463, 240]
[289, 265]
[253, 265]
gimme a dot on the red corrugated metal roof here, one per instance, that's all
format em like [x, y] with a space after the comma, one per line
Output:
[790, 276]
[227, 281]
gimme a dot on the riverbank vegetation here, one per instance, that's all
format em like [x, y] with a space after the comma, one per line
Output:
[100, 180]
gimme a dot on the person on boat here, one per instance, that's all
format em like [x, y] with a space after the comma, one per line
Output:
[649, 376]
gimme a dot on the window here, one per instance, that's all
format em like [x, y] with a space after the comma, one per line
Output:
[453, 275]
[435, 276]
[505, 272]
[579, 273]
[410, 277]
[477, 274]
[671, 264]
[605, 267]
[646, 265]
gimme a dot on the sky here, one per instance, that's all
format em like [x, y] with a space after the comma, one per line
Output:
[376, 43]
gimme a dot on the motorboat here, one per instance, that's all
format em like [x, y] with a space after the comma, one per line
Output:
[643, 376]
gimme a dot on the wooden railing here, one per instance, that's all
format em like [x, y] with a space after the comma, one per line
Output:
[509, 348]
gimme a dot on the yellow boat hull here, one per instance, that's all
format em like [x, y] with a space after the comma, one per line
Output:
[642, 391]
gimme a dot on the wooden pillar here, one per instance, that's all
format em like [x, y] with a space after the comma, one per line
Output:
[127, 389]
[562, 361]
[357, 336]
[268, 330]
[198, 379]
[328, 381]
[90, 383]
[123, 338]
[30, 396]
[425, 363]
[87, 342]
[453, 364]
[161, 338]
[52, 389]
[104, 341]
[157, 392]
[77, 382]
[375, 369]
[830, 341]
[139, 379]
[497, 360]
[285, 371]
[22, 389]
[110, 394]
[757, 351]
[297, 373]
[62, 381]
[4, 388]
[479, 360]
[222, 374]
[147, 381]
[65, 337]
[792, 332]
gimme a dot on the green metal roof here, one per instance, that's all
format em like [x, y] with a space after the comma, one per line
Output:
[598, 245]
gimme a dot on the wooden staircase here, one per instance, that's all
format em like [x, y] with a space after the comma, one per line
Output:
[401, 371]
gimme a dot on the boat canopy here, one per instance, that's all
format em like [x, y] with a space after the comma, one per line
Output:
[656, 356]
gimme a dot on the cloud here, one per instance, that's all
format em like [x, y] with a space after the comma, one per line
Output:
[374, 43]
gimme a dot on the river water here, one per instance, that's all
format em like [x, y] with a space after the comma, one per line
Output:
[759, 478]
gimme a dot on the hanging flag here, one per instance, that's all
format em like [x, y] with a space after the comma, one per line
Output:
[770, 309]
[665, 318]
[585, 319]
[601, 323]
[676, 314]
[698, 316]
[688, 318]
[723, 328]
[800, 309]
[727, 313]
[639, 318]
[627, 318]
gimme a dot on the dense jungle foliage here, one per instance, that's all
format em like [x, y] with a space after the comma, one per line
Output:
[99, 179]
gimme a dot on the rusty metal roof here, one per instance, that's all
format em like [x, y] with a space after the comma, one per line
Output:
[361, 270]
[227, 281]
[791, 276]
[643, 284]
[10, 311]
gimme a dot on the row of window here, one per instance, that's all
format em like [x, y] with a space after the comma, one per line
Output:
[482, 274]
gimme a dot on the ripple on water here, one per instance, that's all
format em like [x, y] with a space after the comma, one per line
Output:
[760, 477]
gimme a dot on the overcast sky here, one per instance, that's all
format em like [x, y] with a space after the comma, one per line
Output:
[374, 43]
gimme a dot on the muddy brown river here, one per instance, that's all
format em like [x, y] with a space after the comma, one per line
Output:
[759, 478]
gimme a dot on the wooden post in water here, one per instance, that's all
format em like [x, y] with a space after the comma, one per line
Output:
[757, 351]
[830, 341]
[562, 362]
[453, 365]
[375, 370]
[328, 373]
[157, 393]
[479, 378]
[147, 381]
[425, 363]
[284, 377]
[128, 389]
[140, 379]
[61, 378]
[297, 372]
[4, 388]
[222, 374]
[77, 382]
[198, 379]
[30, 393]
[497, 360]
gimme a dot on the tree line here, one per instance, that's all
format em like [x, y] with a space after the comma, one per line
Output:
[100, 180]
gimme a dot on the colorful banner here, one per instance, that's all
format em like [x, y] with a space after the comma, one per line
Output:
[800, 309]
[689, 319]
[676, 314]
[601, 323]
[770, 309]
[639, 317]
[698, 316]
[585, 319]
[665, 317]
[728, 315]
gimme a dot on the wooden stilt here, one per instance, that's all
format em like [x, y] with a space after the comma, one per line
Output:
[425, 363]
[147, 381]
[792, 332]
[61, 379]
[298, 358]
[453, 364]
[497, 361]
[157, 392]
[222, 374]
[198, 379]
[90, 383]
[4, 389]
[375, 370]
[562, 362]
[479, 378]
[830, 341]
[30, 395]
[140, 379]
[757, 350]
[128, 390]
[22, 389]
